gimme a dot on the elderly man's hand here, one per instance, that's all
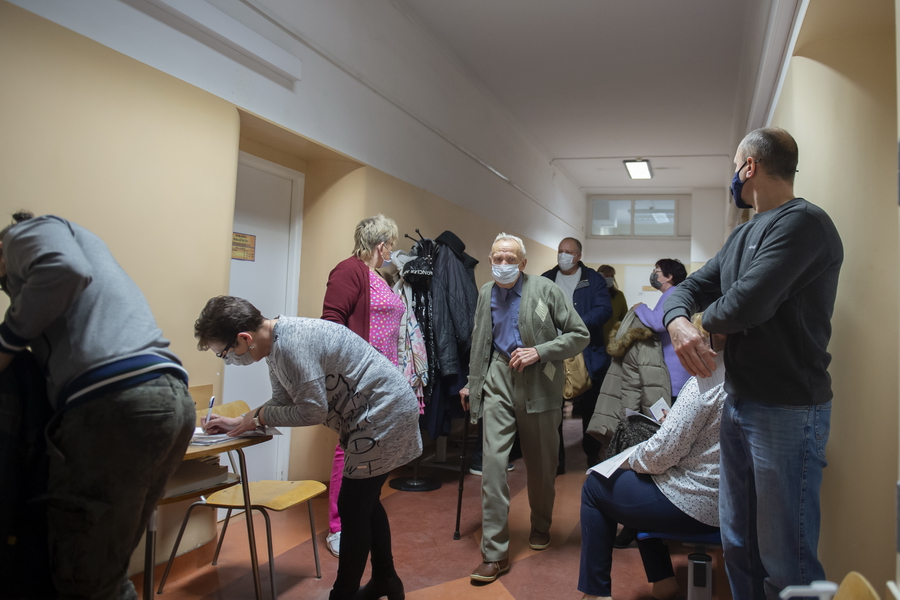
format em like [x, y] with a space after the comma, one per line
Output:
[695, 355]
[522, 357]
[464, 398]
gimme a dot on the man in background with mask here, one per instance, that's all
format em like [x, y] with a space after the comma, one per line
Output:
[771, 289]
[586, 290]
[524, 328]
[124, 416]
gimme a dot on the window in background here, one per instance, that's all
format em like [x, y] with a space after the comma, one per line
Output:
[637, 218]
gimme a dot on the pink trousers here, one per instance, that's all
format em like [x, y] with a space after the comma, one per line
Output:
[337, 475]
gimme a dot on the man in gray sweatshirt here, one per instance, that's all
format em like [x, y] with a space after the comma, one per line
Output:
[771, 289]
[123, 413]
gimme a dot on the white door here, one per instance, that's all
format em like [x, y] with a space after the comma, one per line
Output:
[269, 206]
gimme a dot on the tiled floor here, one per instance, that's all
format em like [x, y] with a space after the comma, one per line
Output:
[430, 562]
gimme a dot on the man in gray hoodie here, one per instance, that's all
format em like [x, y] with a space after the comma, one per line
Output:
[123, 415]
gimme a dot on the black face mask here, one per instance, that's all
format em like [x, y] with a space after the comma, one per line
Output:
[654, 281]
[736, 186]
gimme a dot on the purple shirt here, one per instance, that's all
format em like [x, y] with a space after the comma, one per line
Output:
[505, 317]
[653, 319]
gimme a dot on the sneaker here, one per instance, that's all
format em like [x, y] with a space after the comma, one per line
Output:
[476, 469]
[333, 543]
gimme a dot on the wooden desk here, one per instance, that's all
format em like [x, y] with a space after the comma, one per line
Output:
[238, 445]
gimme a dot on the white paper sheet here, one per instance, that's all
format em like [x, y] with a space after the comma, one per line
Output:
[609, 466]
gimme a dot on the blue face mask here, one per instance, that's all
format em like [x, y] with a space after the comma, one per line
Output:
[736, 186]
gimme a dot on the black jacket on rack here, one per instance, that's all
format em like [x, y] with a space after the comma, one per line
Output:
[454, 295]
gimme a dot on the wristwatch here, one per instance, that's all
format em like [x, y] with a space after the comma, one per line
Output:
[256, 422]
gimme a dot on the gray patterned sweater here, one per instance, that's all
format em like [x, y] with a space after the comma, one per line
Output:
[683, 456]
[323, 373]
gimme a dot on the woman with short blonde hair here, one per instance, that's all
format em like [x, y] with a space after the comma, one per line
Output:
[371, 233]
[358, 297]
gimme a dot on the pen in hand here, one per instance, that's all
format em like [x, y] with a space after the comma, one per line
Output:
[212, 400]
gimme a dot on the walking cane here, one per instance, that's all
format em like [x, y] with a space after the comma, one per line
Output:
[463, 467]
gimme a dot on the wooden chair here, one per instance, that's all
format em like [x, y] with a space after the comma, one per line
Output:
[856, 587]
[853, 587]
[264, 496]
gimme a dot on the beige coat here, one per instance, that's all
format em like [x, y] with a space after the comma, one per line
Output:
[637, 377]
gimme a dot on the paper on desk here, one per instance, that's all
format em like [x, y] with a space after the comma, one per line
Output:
[704, 384]
[609, 466]
[208, 439]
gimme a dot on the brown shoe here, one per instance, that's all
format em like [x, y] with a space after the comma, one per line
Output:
[538, 540]
[489, 571]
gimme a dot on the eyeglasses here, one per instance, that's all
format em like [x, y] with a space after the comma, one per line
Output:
[227, 348]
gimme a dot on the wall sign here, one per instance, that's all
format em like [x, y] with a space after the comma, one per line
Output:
[243, 246]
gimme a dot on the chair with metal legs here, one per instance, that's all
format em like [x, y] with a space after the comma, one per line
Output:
[264, 496]
[699, 562]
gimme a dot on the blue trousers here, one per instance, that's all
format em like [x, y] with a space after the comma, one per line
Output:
[633, 500]
[771, 474]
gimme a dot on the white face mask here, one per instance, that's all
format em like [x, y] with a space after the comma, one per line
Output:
[505, 274]
[609, 282]
[565, 261]
[241, 360]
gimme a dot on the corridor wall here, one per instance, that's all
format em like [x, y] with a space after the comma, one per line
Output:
[145, 161]
[840, 103]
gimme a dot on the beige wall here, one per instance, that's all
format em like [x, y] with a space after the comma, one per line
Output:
[143, 160]
[839, 102]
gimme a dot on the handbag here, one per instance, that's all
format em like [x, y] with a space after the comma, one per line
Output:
[632, 430]
[578, 381]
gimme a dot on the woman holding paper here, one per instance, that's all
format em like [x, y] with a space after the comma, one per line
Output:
[669, 484]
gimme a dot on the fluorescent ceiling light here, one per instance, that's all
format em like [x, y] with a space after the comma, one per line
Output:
[638, 169]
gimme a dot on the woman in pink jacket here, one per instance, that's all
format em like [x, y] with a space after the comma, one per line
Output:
[358, 297]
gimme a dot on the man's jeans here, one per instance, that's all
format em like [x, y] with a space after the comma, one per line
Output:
[771, 473]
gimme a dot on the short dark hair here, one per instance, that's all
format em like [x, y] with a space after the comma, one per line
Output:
[18, 217]
[577, 243]
[775, 148]
[674, 268]
[223, 318]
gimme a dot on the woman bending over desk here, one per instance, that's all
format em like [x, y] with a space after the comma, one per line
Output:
[323, 373]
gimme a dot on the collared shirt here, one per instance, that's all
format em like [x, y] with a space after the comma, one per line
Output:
[505, 317]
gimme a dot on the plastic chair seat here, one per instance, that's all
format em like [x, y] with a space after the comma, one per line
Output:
[704, 539]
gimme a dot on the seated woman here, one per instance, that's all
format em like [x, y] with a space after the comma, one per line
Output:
[670, 485]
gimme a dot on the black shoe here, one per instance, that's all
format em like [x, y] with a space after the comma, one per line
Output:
[391, 587]
[625, 538]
